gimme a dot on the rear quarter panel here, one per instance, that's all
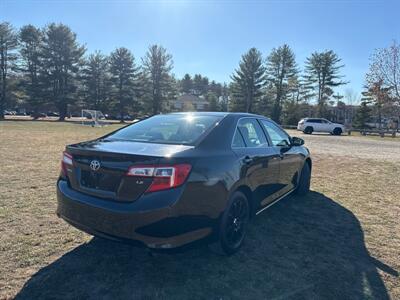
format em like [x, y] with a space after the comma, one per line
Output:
[208, 186]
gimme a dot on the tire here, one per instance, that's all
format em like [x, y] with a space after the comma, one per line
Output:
[337, 131]
[308, 130]
[233, 225]
[303, 186]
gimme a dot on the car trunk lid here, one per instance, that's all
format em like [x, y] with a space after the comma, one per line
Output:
[99, 167]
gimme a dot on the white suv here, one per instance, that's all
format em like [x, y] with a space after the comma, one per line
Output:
[310, 125]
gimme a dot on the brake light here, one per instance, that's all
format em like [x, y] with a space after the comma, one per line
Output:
[67, 160]
[164, 177]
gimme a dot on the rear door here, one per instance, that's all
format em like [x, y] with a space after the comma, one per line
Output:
[317, 125]
[325, 125]
[290, 161]
[259, 161]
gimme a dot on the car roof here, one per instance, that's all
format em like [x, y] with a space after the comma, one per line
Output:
[223, 114]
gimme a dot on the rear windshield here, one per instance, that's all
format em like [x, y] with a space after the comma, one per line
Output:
[168, 129]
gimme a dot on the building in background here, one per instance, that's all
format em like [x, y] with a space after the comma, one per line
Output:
[342, 113]
[188, 102]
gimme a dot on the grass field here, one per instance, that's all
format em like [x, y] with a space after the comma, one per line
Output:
[342, 241]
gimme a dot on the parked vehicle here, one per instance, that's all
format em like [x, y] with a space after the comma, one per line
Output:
[173, 179]
[38, 115]
[310, 125]
[125, 117]
[9, 112]
[52, 114]
[74, 115]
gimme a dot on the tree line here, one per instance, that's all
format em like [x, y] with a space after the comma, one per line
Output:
[48, 67]
[279, 89]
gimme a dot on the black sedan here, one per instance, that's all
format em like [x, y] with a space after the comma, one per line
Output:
[173, 179]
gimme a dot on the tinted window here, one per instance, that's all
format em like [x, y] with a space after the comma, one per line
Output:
[168, 129]
[314, 121]
[238, 141]
[277, 135]
[252, 133]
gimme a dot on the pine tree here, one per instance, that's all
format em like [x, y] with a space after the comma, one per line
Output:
[216, 88]
[379, 96]
[186, 84]
[96, 82]
[8, 44]
[200, 85]
[31, 42]
[224, 97]
[212, 99]
[281, 68]
[124, 75]
[171, 94]
[322, 76]
[60, 66]
[247, 82]
[363, 114]
[157, 65]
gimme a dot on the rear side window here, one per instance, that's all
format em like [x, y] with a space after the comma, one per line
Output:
[313, 121]
[251, 133]
[182, 129]
[277, 135]
[238, 141]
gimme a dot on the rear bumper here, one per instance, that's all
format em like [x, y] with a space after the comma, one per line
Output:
[148, 221]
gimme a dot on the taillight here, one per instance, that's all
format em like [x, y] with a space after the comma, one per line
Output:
[67, 160]
[164, 177]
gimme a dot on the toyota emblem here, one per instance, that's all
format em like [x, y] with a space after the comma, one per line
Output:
[94, 165]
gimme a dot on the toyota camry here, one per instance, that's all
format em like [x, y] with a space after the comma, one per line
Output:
[173, 179]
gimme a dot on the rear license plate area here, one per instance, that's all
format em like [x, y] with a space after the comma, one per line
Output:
[99, 181]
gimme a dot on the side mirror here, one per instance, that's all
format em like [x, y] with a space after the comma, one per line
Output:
[296, 141]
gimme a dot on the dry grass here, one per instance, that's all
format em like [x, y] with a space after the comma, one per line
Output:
[387, 137]
[341, 241]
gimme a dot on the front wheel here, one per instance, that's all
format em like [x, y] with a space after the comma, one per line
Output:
[232, 229]
[308, 130]
[337, 131]
[303, 186]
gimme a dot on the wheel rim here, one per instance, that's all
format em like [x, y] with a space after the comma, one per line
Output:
[236, 222]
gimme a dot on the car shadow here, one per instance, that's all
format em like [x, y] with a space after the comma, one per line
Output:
[303, 248]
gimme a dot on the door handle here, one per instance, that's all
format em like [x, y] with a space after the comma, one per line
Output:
[247, 160]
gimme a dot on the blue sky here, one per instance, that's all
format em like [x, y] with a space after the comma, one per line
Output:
[208, 37]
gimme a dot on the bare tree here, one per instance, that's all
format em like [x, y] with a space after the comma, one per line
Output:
[351, 97]
[385, 68]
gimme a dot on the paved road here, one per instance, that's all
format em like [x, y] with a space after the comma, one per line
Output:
[354, 146]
